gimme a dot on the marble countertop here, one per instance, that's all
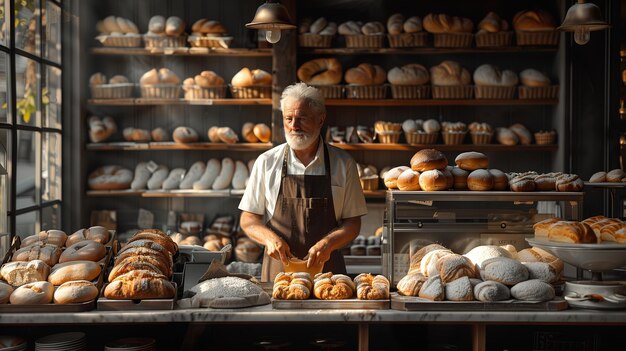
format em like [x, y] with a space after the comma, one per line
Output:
[267, 314]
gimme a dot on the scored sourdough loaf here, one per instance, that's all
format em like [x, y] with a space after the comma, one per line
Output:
[51, 237]
[49, 254]
[87, 250]
[140, 284]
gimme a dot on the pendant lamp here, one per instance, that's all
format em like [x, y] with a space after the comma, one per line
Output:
[273, 17]
[582, 18]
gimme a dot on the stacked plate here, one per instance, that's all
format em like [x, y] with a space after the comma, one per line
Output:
[18, 343]
[75, 341]
[131, 344]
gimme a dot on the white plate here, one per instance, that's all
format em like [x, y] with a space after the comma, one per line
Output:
[605, 245]
[594, 257]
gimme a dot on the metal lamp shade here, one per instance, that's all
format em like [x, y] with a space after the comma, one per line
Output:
[583, 16]
[271, 15]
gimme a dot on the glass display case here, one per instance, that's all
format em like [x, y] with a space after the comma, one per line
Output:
[462, 220]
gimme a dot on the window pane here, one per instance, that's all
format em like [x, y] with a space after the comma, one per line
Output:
[26, 224]
[5, 154]
[27, 92]
[51, 167]
[51, 21]
[51, 217]
[27, 25]
[25, 191]
[4, 33]
[51, 98]
[4, 87]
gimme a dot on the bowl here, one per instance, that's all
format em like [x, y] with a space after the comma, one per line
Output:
[599, 257]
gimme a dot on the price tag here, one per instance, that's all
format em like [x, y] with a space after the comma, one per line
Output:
[145, 219]
[152, 166]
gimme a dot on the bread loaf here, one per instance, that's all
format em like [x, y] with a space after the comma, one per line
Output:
[480, 180]
[429, 264]
[74, 270]
[21, 272]
[76, 291]
[471, 161]
[533, 20]
[394, 24]
[432, 289]
[142, 175]
[225, 177]
[449, 73]
[227, 135]
[428, 159]
[533, 290]
[598, 177]
[433, 180]
[207, 79]
[481, 253]
[506, 136]
[36, 293]
[523, 134]
[545, 182]
[366, 74]
[96, 233]
[569, 182]
[522, 183]
[411, 74]
[391, 177]
[195, 172]
[411, 284]
[140, 284]
[86, 250]
[211, 173]
[442, 23]
[542, 228]
[158, 237]
[158, 177]
[413, 24]
[247, 132]
[373, 28]
[321, 71]
[156, 25]
[490, 75]
[533, 78]
[460, 178]
[503, 270]
[5, 292]
[491, 291]
[614, 175]
[492, 23]
[454, 266]
[49, 254]
[409, 180]
[262, 132]
[185, 135]
[173, 179]
[459, 290]
[246, 77]
[240, 175]
[542, 271]
[350, 28]
[500, 180]
[416, 258]
[174, 26]
[51, 237]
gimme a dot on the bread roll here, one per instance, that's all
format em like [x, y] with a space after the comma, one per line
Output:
[433, 180]
[372, 28]
[213, 28]
[533, 290]
[246, 77]
[156, 25]
[159, 134]
[533, 20]
[247, 132]
[173, 179]
[492, 23]
[96, 233]
[207, 79]
[321, 71]
[395, 23]
[75, 292]
[533, 78]
[409, 180]
[225, 177]
[166, 76]
[227, 135]
[471, 161]
[74, 270]
[428, 159]
[211, 172]
[240, 175]
[490, 75]
[411, 74]
[158, 177]
[20, 272]
[569, 182]
[614, 175]
[149, 78]
[506, 136]
[212, 133]
[524, 135]
[195, 172]
[37, 293]
[49, 254]
[366, 74]
[413, 24]
[598, 177]
[97, 79]
[391, 177]
[491, 291]
[350, 28]
[480, 180]
[431, 126]
[5, 292]
[174, 26]
[460, 178]
[51, 237]
[500, 180]
[262, 132]
[459, 290]
[185, 135]
[449, 73]
[503, 270]
[318, 25]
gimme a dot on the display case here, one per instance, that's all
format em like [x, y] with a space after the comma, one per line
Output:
[462, 220]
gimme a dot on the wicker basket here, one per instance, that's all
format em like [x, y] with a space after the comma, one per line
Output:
[122, 41]
[490, 40]
[365, 41]
[452, 92]
[408, 40]
[252, 92]
[164, 41]
[549, 92]
[366, 91]
[540, 38]
[370, 183]
[112, 91]
[453, 40]
[389, 137]
[310, 40]
[209, 42]
[453, 138]
[545, 138]
[494, 92]
[160, 91]
[420, 138]
[410, 91]
[331, 91]
[481, 138]
[196, 92]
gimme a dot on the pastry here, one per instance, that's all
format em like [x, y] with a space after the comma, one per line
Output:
[370, 287]
[416, 258]
[454, 266]
[330, 286]
[459, 290]
[411, 284]
[434, 180]
[433, 289]
[391, 176]
[491, 291]
[292, 286]
[409, 180]
[542, 228]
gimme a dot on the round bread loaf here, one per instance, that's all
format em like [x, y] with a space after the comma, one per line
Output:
[76, 291]
[524, 135]
[262, 132]
[533, 290]
[428, 159]
[471, 161]
[409, 180]
[569, 182]
[74, 270]
[598, 177]
[366, 74]
[5, 292]
[95, 233]
[506, 136]
[37, 293]
[391, 176]
[615, 175]
[431, 126]
[185, 135]
[449, 177]
[449, 73]
[542, 271]
[503, 270]
[460, 178]
[500, 180]
[491, 291]
[52, 237]
[459, 290]
[83, 251]
[481, 253]
[432, 289]
[480, 180]
[411, 74]
[321, 71]
[533, 20]
[433, 180]
[247, 132]
[490, 75]
[533, 78]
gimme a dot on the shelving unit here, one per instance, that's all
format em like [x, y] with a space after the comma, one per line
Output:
[434, 102]
[160, 102]
[182, 52]
[128, 146]
[444, 148]
[229, 193]
[426, 50]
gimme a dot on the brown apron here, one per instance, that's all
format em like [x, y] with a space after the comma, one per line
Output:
[303, 215]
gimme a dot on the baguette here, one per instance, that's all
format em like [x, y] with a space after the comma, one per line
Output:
[212, 170]
[240, 175]
[225, 177]
[195, 172]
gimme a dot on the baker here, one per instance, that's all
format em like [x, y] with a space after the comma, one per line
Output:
[303, 198]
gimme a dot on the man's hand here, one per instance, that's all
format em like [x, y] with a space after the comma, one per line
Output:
[278, 249]
[319, 253]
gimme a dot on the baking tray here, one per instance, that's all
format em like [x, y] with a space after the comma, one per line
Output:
[412, 303]
[315, 304]
[105, 304]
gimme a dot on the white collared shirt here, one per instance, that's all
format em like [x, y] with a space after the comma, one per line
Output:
[264, 183]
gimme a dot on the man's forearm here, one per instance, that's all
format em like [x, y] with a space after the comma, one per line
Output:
[252, 224]
[344, 234]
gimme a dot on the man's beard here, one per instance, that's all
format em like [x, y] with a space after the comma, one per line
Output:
[301, 140]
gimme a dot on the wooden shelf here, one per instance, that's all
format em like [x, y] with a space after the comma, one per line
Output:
[440, 102]
[228, 193]
[130, 146]
[443, 147]
[426, 50]
[156, 102]
[182, 52]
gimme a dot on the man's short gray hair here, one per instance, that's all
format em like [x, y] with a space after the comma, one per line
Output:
[300, 91]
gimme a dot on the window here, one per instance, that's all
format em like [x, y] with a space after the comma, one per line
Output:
[30, 116]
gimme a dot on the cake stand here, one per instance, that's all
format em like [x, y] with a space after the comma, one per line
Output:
[597, 258]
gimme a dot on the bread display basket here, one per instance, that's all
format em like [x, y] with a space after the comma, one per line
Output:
[152, 41]
[452, 92]
[251, 92]
[453, 137]
[365, 41]
[545, 138]
[310, 40]
[196, 92]
[539, 38]
[198, 41]
[410, 91]
[549, 92]
[160, 91]
[481, 138]
[389, 137]
[112, 91]
[491, 40]
[408, 40]
[421, 138]
[494, 92]
[122, 41]
[331, 91]
[366, 91]
[369, 183]
[452, 40]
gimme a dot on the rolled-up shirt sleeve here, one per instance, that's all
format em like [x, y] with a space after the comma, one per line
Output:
[354, 201]
[253, 199]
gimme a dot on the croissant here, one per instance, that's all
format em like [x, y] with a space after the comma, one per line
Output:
[330, 286]
[292, 286]
[369, 287]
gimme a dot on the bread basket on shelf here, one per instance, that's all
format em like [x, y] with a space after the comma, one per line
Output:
[122, 41]
[452, 40]
[481, 138]
[365, 41]
[197, 92]
[152, 41]
[251, 92]
[494, 92]
[366, 91]
[112, 91]
[498, 39]
[408, 40]
[310, 40]
[452, 91]
[540, 38]
[453, 137]
[388, 132]
[369, 183]
[545, 138]
[410, 91]
[197, 41]
[160, 91]
[420, 138]
[549, 92]
[331, 91]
